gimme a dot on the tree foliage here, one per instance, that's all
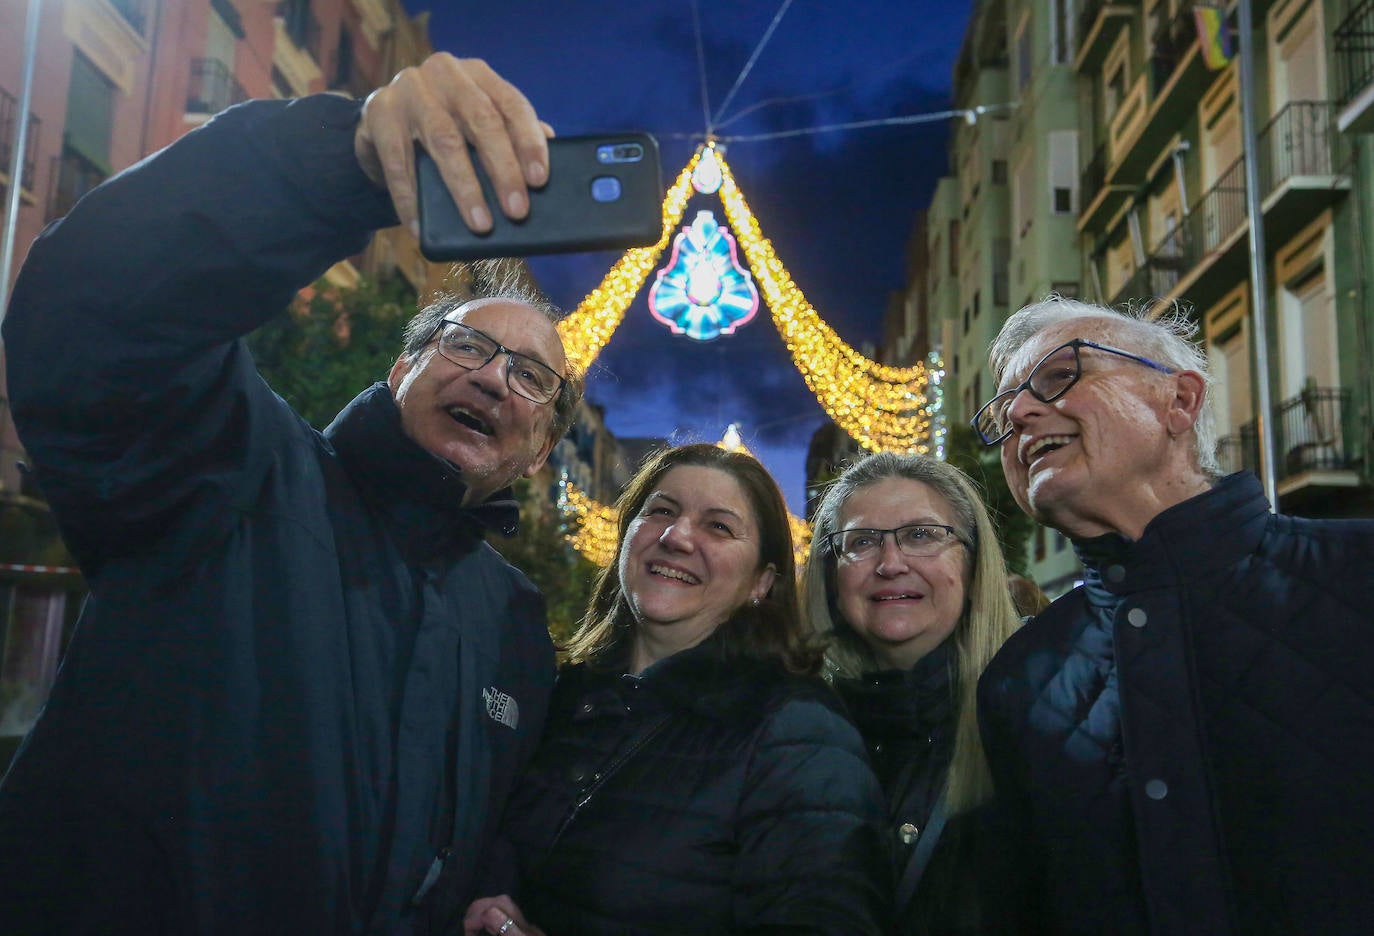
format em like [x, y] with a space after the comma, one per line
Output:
[541, 552]
[983, 464]
[333, 344]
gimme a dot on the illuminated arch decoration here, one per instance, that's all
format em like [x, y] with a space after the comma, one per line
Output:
[592, 525]
[703, 292]
[883, 408]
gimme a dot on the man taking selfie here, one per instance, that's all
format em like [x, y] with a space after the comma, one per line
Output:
[303, 682]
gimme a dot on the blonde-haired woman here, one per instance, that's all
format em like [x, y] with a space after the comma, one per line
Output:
[907, 579]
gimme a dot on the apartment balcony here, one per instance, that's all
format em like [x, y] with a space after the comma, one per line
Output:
[1175, 76]
[1100, 200]
[1300, 169]
[1312, 460]
[213, 88]
[1099, 23]
[1354, 56]
[9, 136]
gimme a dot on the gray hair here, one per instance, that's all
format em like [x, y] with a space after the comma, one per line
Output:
[1167, 336]
[506, 280]
[989, 617]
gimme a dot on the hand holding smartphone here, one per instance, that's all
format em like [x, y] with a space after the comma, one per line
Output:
[604, 192]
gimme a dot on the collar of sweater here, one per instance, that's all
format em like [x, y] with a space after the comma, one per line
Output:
[420, 496]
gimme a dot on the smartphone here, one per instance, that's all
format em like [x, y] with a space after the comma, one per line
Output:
[604, 192]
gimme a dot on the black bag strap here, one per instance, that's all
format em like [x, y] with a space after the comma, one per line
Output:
[920, 855]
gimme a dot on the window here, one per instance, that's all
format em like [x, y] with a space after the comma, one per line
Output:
[976, 303]
[999, 172]
[965, 320]
[85, 160]
[1023, 196]
[1061, 31]
[1001, 264]
[1023, 55]
[953, 245]
[1064, 171]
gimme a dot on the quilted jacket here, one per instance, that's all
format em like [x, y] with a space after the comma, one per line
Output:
[907, 721]
[1185, 744]
[302, 674]
[704, 796]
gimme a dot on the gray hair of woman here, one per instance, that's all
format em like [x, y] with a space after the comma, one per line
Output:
[988, 618]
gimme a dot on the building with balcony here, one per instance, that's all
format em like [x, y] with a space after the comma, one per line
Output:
[1001, 228]
[1165, 218]
[115, 80]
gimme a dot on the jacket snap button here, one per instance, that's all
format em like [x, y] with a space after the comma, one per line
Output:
[587, 708]
[878, 748]
[908, 832]
[1136, 617]
[1156, 789]
[1116, 573]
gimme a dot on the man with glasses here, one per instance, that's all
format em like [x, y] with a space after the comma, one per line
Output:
[304, 682]
[1184, 744]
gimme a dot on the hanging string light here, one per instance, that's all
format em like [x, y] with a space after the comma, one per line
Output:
[883, 408]
[592, 525]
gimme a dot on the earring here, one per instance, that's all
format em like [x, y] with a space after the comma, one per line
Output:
[755, 602]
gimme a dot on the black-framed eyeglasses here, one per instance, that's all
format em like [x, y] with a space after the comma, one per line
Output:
[471, 349]
[918, 540]
[1048, 380]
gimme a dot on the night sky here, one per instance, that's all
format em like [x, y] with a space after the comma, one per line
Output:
[838, 207]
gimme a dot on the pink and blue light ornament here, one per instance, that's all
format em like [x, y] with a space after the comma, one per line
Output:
[703, 292]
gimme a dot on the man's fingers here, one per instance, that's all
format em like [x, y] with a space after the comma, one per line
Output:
[447, 104]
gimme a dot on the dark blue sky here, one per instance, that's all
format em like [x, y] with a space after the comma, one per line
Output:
[837, 206]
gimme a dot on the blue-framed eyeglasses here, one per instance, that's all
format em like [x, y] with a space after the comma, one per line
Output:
[1048, 380]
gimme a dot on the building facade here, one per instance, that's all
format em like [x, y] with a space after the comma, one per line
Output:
[1166, 218]
[1000, 229]
[115, 80]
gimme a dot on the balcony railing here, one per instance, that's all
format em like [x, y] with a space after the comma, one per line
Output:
[1308, 436]
[9, 134]
[72, 176]
[1354, 47]
[213, 87]
[1298, 141]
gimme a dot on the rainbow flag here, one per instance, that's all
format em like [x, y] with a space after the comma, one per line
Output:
[1213, 37]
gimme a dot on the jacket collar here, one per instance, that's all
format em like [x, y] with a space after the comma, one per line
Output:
[418, 494]
[700, 679]
[1188, 541]
[912, 703]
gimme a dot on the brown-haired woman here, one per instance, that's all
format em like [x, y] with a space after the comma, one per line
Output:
[696, 775]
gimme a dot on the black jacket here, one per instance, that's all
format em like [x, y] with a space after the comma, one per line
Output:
[1186, 743]
[907, 720]
[702, 797]
[302, 673]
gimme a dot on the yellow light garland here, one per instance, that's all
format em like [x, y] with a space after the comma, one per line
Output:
[883, 408]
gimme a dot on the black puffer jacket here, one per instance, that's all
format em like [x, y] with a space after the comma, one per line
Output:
[1186, 744]
[302, 672]
[907, 720]
[700, 797]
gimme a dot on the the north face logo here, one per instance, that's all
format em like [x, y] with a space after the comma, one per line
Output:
[502, 707]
